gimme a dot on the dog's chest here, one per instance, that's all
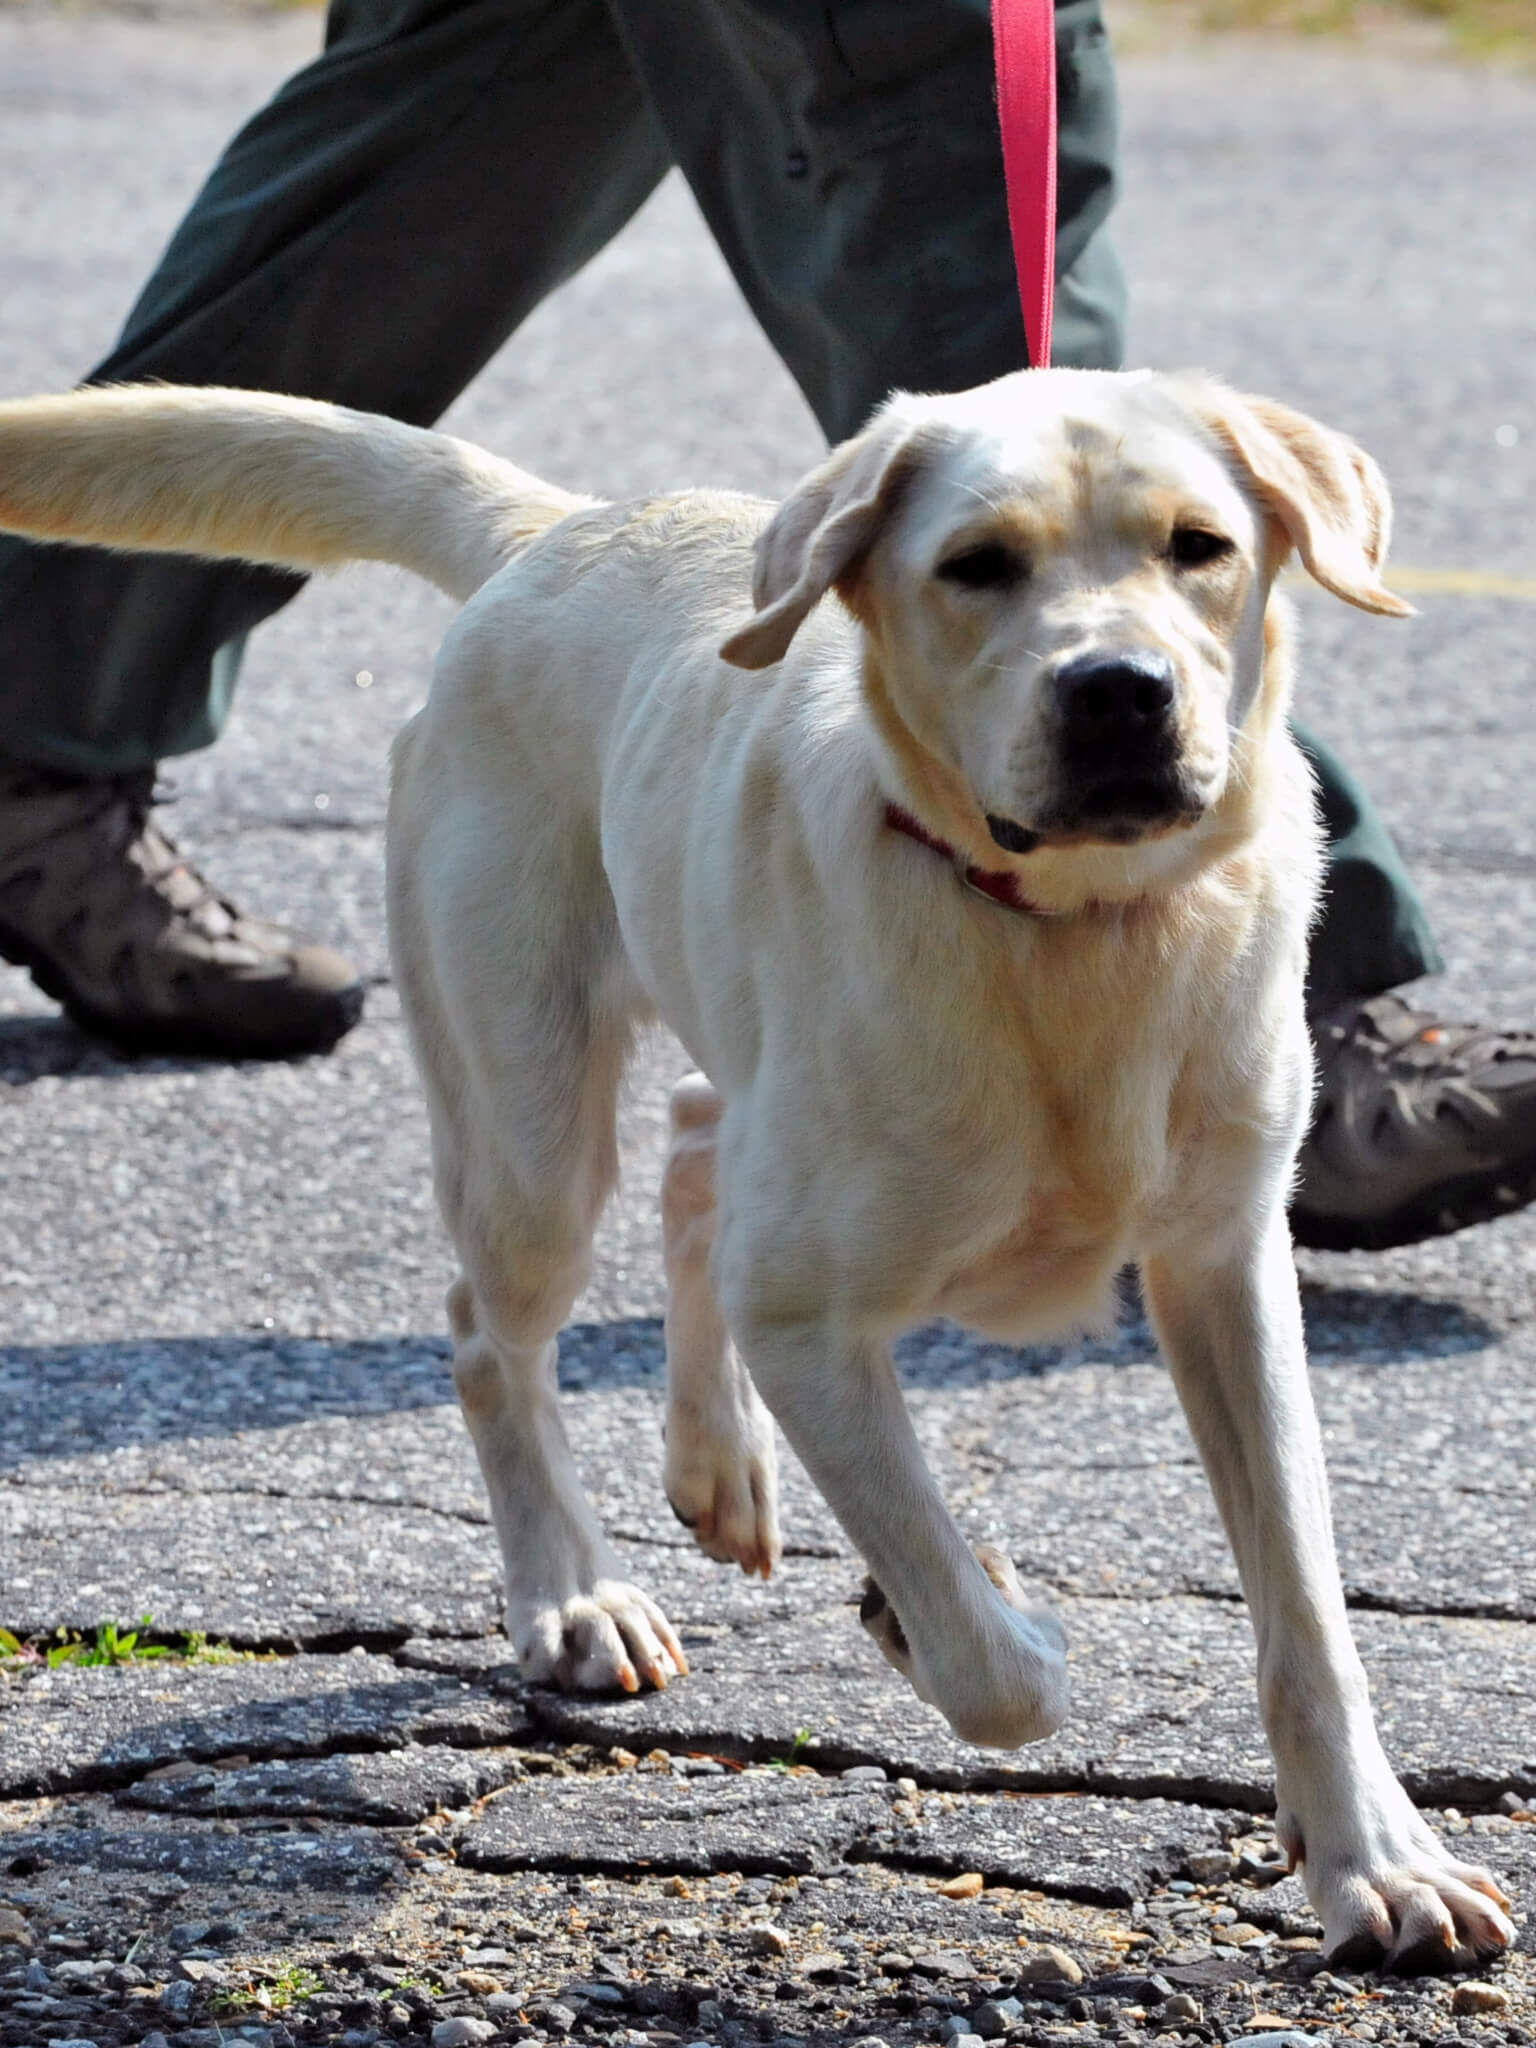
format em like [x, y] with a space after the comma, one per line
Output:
[1054, 1265]
[1068, 1200]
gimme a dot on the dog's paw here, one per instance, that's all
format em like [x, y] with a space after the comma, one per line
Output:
[1001, 1716]
[611, 1639]
[1396, 1898]
[721, 1476]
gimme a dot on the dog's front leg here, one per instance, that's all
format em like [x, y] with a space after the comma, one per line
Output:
[1381, 1882]
[995, 1670]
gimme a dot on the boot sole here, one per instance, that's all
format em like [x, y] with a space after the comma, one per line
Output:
[167, 1036]
[1438, 1212]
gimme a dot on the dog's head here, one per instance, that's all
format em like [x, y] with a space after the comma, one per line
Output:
[1063, 579]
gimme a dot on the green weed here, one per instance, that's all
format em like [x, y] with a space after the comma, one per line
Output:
[111, 1644]
[273, 1991]
[804, 1737]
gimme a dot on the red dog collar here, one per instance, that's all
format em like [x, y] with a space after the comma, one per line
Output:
[997, 885]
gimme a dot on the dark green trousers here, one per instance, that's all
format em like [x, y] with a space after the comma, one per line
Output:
[378, 230]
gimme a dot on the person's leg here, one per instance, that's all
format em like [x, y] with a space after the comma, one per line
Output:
[370, 237]
[1422, 1127]
[1372, 932]
[847, 159]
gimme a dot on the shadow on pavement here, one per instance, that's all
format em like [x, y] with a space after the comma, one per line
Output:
[50, 1047]
[1349, 1325]
[69, 1400]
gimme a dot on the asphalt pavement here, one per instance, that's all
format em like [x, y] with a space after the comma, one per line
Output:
[224, 1396]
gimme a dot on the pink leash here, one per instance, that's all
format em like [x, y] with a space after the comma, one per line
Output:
[1024, 44]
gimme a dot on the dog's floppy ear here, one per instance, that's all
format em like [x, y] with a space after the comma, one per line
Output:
[820, 531]
[1326, 494]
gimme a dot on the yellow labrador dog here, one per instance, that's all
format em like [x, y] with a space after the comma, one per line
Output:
[973, 864]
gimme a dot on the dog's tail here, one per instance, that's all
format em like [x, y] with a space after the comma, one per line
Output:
[251, 476]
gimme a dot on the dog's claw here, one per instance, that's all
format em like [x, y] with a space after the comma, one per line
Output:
[1407, 1906]
[613, 1638]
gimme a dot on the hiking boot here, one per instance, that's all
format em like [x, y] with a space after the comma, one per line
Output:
[1421, 1128]
[110, 920]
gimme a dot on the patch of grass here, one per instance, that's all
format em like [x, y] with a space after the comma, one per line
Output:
[1496, 29]
[804, 1737]
[272, 1991]
[112, 1644]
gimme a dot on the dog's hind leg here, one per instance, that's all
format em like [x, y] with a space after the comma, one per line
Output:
[514, 984]
[720, 1473]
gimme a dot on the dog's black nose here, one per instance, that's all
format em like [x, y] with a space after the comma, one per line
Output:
[1116, 701]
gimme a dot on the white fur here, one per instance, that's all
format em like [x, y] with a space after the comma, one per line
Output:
[918, 1101]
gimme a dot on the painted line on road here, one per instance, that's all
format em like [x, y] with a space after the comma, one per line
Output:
[1461, 583]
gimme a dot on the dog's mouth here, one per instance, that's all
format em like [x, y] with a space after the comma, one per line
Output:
[1122, 810]
[1107, 810]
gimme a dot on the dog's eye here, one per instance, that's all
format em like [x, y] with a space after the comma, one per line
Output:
[990, 566]
[1192, 547]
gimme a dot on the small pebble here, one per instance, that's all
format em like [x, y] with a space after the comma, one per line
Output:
[1516, 1802]
[558, 2018]
[864, 1774]
[397, 2018]
[14, 1928]
[945, 1962]
[1181, 2007]
[767, 1941]
[480, 1982]
[994, 2016]
[894, 1963]
[1210, 1866]
[462, 2033]
[1484, 1998]
[1050, 1965]
[36, 1978]
[966, 1886]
